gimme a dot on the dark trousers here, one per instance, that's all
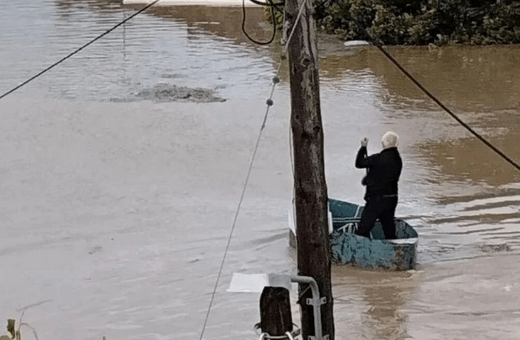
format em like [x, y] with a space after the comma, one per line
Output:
[382, 208]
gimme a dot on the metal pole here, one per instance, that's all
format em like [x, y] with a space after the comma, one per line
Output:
[316, 303]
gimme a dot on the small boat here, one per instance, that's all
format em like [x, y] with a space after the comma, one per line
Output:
[374, 252]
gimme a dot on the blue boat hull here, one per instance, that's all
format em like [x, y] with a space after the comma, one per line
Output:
[375, 252]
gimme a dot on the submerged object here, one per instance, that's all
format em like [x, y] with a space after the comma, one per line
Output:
[374, 252]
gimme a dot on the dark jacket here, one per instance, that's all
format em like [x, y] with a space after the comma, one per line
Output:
[384, 170]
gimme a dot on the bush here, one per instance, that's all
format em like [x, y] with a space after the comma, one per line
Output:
[400, 22]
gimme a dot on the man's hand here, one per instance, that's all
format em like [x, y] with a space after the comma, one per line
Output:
[364, 142]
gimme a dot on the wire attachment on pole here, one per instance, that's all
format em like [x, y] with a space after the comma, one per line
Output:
[285, 30]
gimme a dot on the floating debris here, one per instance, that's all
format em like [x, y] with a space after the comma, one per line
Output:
[96, 249]
[173, 93]
[495, 248]
[356, 43]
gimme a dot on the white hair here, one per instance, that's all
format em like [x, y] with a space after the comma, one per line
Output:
[390, 140]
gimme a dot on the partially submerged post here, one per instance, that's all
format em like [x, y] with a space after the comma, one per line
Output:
[275, 311]
[309, 173]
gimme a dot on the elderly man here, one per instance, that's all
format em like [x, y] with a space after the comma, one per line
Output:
[383, 171]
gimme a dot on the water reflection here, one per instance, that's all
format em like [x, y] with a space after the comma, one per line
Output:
[182, 46]
[468, 158]
[88, 4]
[222, 21]
[454, 74]
[384, 297]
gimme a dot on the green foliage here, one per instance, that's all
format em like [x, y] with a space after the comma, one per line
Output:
[277, 14]
[10, 327]
[400, 22]
[15, 333]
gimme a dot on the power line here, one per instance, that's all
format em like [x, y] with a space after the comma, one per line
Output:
[302, 5]
[78, 50]
[438, 102]
[269, 103]
[269, 4]
[273, 6]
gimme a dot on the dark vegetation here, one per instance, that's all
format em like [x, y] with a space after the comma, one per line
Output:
[423, 22]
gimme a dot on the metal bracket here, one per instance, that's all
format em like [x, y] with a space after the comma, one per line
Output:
[315, 305]
[325, 337]
[285, 32]
[310, 301]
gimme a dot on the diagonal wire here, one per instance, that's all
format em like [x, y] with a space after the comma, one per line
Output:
[269, 103]
[302, 6]
[78, 50]
[438, 102]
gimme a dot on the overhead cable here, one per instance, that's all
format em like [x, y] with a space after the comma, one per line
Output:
[438, 102]
[269, 4]
[269, 103]
[78, 50]
[272, 5]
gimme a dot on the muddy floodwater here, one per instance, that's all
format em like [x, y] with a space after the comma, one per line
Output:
[122, 168]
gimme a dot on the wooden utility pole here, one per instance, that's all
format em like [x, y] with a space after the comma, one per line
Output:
[309, 172]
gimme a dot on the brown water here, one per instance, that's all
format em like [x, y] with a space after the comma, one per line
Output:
[117, 210]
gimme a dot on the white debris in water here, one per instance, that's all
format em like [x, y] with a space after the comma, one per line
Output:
[356, 43]
[190, 2]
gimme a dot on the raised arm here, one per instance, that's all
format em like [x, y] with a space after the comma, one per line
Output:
[360, 158]
[364, 161]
